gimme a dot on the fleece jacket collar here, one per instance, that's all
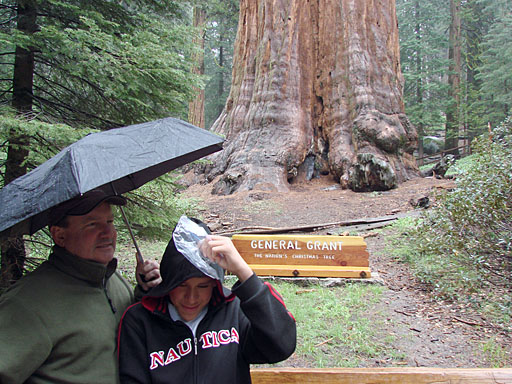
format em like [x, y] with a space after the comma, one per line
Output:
[90, 271]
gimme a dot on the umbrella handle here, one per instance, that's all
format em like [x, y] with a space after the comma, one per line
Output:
[138, 255]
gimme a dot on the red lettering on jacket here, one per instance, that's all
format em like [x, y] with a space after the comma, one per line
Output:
[215, 339]
[224, 337]
[234, 336]
[210, 339]
[205, 339]
[157, 358]
[172, 356]
[187, 350]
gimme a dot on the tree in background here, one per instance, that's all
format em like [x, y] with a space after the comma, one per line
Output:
[453, 110]
[222, 21]
[423, 47]
[475, 25]
[13, 249]
[90, 65]
[196, 106]
[316, 87]
[216, 22]
[495, 73]
[103, 64]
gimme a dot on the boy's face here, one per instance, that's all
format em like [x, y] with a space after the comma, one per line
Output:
[191, 296]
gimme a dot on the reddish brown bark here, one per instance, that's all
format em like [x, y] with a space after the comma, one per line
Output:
[196, 106]
[315, 83]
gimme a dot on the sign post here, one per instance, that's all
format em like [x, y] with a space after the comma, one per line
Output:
[304, 256]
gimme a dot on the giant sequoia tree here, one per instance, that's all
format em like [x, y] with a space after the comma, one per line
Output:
[316, 86]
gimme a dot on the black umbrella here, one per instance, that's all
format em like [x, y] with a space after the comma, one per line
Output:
[118, 160]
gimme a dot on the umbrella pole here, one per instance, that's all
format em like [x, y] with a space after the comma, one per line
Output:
[138, 255]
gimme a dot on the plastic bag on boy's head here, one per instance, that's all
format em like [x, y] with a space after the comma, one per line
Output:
[187, 235]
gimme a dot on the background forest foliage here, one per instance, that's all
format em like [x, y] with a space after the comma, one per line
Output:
[95, 65]
[484, 41]
[104, 64]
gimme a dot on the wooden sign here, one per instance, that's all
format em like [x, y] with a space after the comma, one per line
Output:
[291, 255]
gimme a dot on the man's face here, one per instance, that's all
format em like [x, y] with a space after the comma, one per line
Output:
[191, 296]
[91, 236]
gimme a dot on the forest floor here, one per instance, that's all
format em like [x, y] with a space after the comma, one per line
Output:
[430, 332]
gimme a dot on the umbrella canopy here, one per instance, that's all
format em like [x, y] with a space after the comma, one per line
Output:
[118, 160]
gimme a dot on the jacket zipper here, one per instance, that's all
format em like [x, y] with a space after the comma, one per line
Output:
[112, 307]
[195, 359]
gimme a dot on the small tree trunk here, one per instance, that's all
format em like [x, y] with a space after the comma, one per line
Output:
[220, 88]
[454, 55]
[474, 34]
[12, 247]
[419, 85]
[316, 87]
[196, 106]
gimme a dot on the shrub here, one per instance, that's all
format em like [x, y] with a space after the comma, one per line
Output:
[462, 248]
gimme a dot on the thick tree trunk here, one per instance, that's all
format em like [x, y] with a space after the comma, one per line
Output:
[196, 106]
[316, 87]
[12, 247]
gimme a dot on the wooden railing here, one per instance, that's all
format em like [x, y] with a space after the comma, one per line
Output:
[381, 375]
[466, 150]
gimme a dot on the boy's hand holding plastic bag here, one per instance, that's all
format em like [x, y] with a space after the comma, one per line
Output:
[210, 254]
[187, 236]
[222, 251]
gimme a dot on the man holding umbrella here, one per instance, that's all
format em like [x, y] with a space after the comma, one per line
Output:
[58, 324]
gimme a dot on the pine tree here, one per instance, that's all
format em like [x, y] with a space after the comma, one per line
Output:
[495, 72]
[221, 29]
[423, 55]
[89, 64]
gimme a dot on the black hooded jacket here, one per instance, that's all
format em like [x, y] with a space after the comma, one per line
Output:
[245, 326]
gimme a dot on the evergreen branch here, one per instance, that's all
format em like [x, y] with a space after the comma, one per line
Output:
[8, 21]
[9, 90]
[72, 109]
[51, 83]
[7, 6]
[96, 88]
[72, 92]
[61, 67]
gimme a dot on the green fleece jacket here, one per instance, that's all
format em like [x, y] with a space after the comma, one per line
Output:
[58, 324]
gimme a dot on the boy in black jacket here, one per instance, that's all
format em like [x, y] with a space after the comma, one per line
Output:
[190, 329]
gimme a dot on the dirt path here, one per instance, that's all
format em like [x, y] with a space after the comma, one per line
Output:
[432, 333]
[429, 332]
[320, 201]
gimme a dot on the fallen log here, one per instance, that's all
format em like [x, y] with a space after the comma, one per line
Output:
[255, 230]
